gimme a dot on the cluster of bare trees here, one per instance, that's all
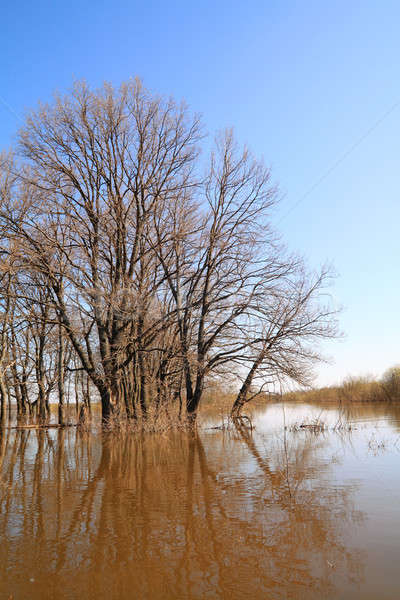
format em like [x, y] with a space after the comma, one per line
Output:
[136, 270]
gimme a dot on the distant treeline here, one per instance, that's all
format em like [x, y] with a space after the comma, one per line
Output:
[355, 389]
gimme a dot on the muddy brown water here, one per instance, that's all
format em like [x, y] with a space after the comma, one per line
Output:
[274, 513]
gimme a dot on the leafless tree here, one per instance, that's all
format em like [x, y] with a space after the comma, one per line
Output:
[283, 332]
[137, 272]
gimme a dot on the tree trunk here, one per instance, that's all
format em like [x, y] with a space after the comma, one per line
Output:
[241, 398]
[60, 376]
[3, 398]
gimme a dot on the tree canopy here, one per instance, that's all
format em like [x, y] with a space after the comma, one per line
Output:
[135, 268]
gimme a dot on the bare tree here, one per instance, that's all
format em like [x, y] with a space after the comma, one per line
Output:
[137, 273]
[283, 332]
[99, 163]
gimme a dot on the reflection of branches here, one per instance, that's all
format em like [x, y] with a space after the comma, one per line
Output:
[302, 504]
[163, 517]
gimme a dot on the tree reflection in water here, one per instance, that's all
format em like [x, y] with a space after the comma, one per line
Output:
[177, 516]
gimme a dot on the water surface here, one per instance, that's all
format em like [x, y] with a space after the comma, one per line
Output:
[272, 513]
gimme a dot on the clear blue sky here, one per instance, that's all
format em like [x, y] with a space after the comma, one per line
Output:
[301, 82]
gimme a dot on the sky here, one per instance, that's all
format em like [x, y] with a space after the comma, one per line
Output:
[312, 87]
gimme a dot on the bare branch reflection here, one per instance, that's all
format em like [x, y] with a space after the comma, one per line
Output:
[174, 516]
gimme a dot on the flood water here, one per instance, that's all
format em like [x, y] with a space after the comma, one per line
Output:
[274, 513]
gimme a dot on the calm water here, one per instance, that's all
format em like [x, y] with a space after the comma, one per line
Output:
[272, 514]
